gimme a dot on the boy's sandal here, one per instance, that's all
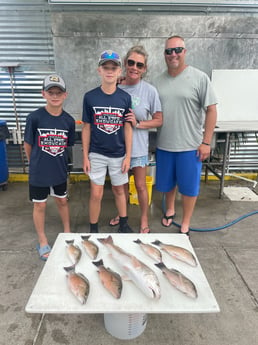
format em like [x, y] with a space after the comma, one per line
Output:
[145, 230]
[114, 221]
[44, 251]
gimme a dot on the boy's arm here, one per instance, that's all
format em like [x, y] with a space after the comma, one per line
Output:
[27, 149]
[128, 146]
[86, 146]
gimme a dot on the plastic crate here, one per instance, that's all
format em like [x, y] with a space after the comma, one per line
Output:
[133, 197]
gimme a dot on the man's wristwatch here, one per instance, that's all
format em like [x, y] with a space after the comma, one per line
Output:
[137, 123]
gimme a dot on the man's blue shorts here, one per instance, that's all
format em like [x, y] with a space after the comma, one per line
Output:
[182, 169]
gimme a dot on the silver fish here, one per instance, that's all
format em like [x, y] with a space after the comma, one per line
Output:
[179, 281]
[150, 250]
[178, 253]
[73, 251]
[78, 284]
[90, 247]
[111, 280]
[142, 276]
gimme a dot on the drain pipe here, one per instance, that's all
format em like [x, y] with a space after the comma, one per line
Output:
[17, 137]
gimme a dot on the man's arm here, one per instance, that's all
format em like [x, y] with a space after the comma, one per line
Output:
[204, 149]
[210, 123]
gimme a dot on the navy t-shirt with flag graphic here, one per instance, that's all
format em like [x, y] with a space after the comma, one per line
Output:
[106, 114]
[49, 136]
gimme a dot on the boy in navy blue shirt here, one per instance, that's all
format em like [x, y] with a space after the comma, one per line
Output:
[107, 139]
[49, 131]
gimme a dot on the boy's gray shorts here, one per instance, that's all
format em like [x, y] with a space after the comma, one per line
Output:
[100, 164]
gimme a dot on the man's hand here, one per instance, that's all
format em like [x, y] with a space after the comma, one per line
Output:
[203, 152]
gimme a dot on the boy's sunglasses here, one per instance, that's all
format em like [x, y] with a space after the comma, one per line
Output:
[109, 55]
[139, 65]
[177, 50]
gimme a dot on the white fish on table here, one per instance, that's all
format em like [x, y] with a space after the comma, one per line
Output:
[142, 275]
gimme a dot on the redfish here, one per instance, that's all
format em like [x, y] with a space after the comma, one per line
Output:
[142, 276]
[78, 284]
[73, 251]
[111, 280]
[90, 247]
[178, 253]
[178, 280]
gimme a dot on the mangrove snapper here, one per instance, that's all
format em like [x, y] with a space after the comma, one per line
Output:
[150, 250]
[90, 247]
[178, 253]
[73, 251]
[78, 284]
[110, 279]
[178, 280]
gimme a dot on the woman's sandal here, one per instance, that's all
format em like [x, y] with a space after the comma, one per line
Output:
[114, 221]
[145, 230]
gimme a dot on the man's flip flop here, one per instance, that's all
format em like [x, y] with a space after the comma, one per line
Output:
[185, 233]
[114, 221]
[43, 251]
[167, 218]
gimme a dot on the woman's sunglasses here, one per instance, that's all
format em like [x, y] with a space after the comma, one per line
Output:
[139, 65]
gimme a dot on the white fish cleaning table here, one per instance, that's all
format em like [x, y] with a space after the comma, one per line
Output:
[51, 293]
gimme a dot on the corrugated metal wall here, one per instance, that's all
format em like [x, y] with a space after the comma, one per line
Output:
[26, 56]
[26, 39]
[25, 33]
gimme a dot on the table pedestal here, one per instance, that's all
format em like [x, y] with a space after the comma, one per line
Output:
[125, 326]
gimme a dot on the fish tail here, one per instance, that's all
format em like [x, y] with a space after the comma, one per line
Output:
[70, 268]
[160, 265]
[108, 240]
[157, 242]
[138, 241]
[69, 241]
[85, 237]
[98, 263]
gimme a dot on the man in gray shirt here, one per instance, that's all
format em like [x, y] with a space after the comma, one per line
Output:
[189, 118]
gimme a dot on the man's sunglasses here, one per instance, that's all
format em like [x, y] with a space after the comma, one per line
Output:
[139, 65]
[177, 50]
